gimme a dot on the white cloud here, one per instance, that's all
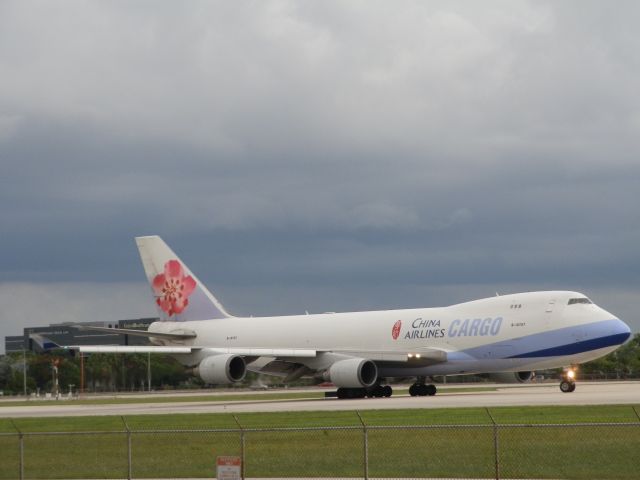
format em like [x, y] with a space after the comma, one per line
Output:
[331, 139]
[275, 76]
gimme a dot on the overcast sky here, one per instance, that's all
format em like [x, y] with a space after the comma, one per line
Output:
[319, 156]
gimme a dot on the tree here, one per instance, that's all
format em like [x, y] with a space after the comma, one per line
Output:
[99, 370]
[624, 362]
[167, 371]
[5, 372]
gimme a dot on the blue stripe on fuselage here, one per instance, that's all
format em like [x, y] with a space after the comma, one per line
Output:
[555, 342]
[577, 347]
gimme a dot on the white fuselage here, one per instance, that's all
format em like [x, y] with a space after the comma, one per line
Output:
[519, 332]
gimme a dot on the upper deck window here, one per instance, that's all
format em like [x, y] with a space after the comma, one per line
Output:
[573, 301]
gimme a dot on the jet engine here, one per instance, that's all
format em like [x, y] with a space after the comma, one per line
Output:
[221, 369]
[512, 377]
[352, 373]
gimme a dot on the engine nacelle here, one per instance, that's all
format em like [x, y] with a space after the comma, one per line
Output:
[352, 373]
[512, 377]
[221, 369]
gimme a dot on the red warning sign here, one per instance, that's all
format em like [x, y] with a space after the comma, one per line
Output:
[228, 468]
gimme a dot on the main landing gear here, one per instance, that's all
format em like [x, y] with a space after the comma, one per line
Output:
[376, 391]
[420, 389]
[568, 383]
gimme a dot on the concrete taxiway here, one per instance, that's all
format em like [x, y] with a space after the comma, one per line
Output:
[592, 393]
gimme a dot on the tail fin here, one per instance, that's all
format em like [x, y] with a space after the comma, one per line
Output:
[180, 296]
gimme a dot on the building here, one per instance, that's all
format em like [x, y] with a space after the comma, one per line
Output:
[13, 344]
[66, 334]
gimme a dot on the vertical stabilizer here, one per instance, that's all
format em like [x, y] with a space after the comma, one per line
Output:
[178, 293]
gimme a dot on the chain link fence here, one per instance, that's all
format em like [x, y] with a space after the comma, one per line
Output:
[540, 451]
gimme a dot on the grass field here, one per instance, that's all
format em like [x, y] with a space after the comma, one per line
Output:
[438, 443]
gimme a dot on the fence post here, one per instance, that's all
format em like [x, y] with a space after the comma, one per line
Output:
[495, 444]
[636, 412]
[21, 456]
[21, 439]
[365, 446]
[129, 456]
[241, 446]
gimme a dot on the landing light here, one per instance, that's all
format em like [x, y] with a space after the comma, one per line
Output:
[571, 374]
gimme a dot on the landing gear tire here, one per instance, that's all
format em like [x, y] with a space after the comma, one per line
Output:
[344, 393]
[378, 392]
[422, 390]
[567, 386]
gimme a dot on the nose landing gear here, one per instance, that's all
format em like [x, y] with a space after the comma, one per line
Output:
[568, 382]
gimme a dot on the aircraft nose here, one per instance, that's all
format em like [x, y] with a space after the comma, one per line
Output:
[623, 332]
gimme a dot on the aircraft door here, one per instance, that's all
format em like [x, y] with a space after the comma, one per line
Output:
[550, 305]
[548, 312]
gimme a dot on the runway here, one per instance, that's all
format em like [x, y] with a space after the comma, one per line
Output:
[593, 393]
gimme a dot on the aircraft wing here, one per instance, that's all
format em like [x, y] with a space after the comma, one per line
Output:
[245, 352]
[422, 356]
[48, 344]
[425, 357]
[177, 335]
[127, 349]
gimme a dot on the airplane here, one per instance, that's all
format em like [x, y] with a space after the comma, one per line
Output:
[507, 335]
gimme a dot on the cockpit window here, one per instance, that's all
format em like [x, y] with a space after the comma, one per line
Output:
[573, 301]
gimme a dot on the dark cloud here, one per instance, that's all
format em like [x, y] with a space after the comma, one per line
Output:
[355, 155]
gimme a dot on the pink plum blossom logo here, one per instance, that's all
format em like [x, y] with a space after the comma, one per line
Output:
[395, 331]
[173, 288]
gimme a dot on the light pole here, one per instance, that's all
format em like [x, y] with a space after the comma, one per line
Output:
[24, 371]
[81, 374]
[54, 364]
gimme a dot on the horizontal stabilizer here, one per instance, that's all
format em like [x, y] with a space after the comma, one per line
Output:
[43, 342]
